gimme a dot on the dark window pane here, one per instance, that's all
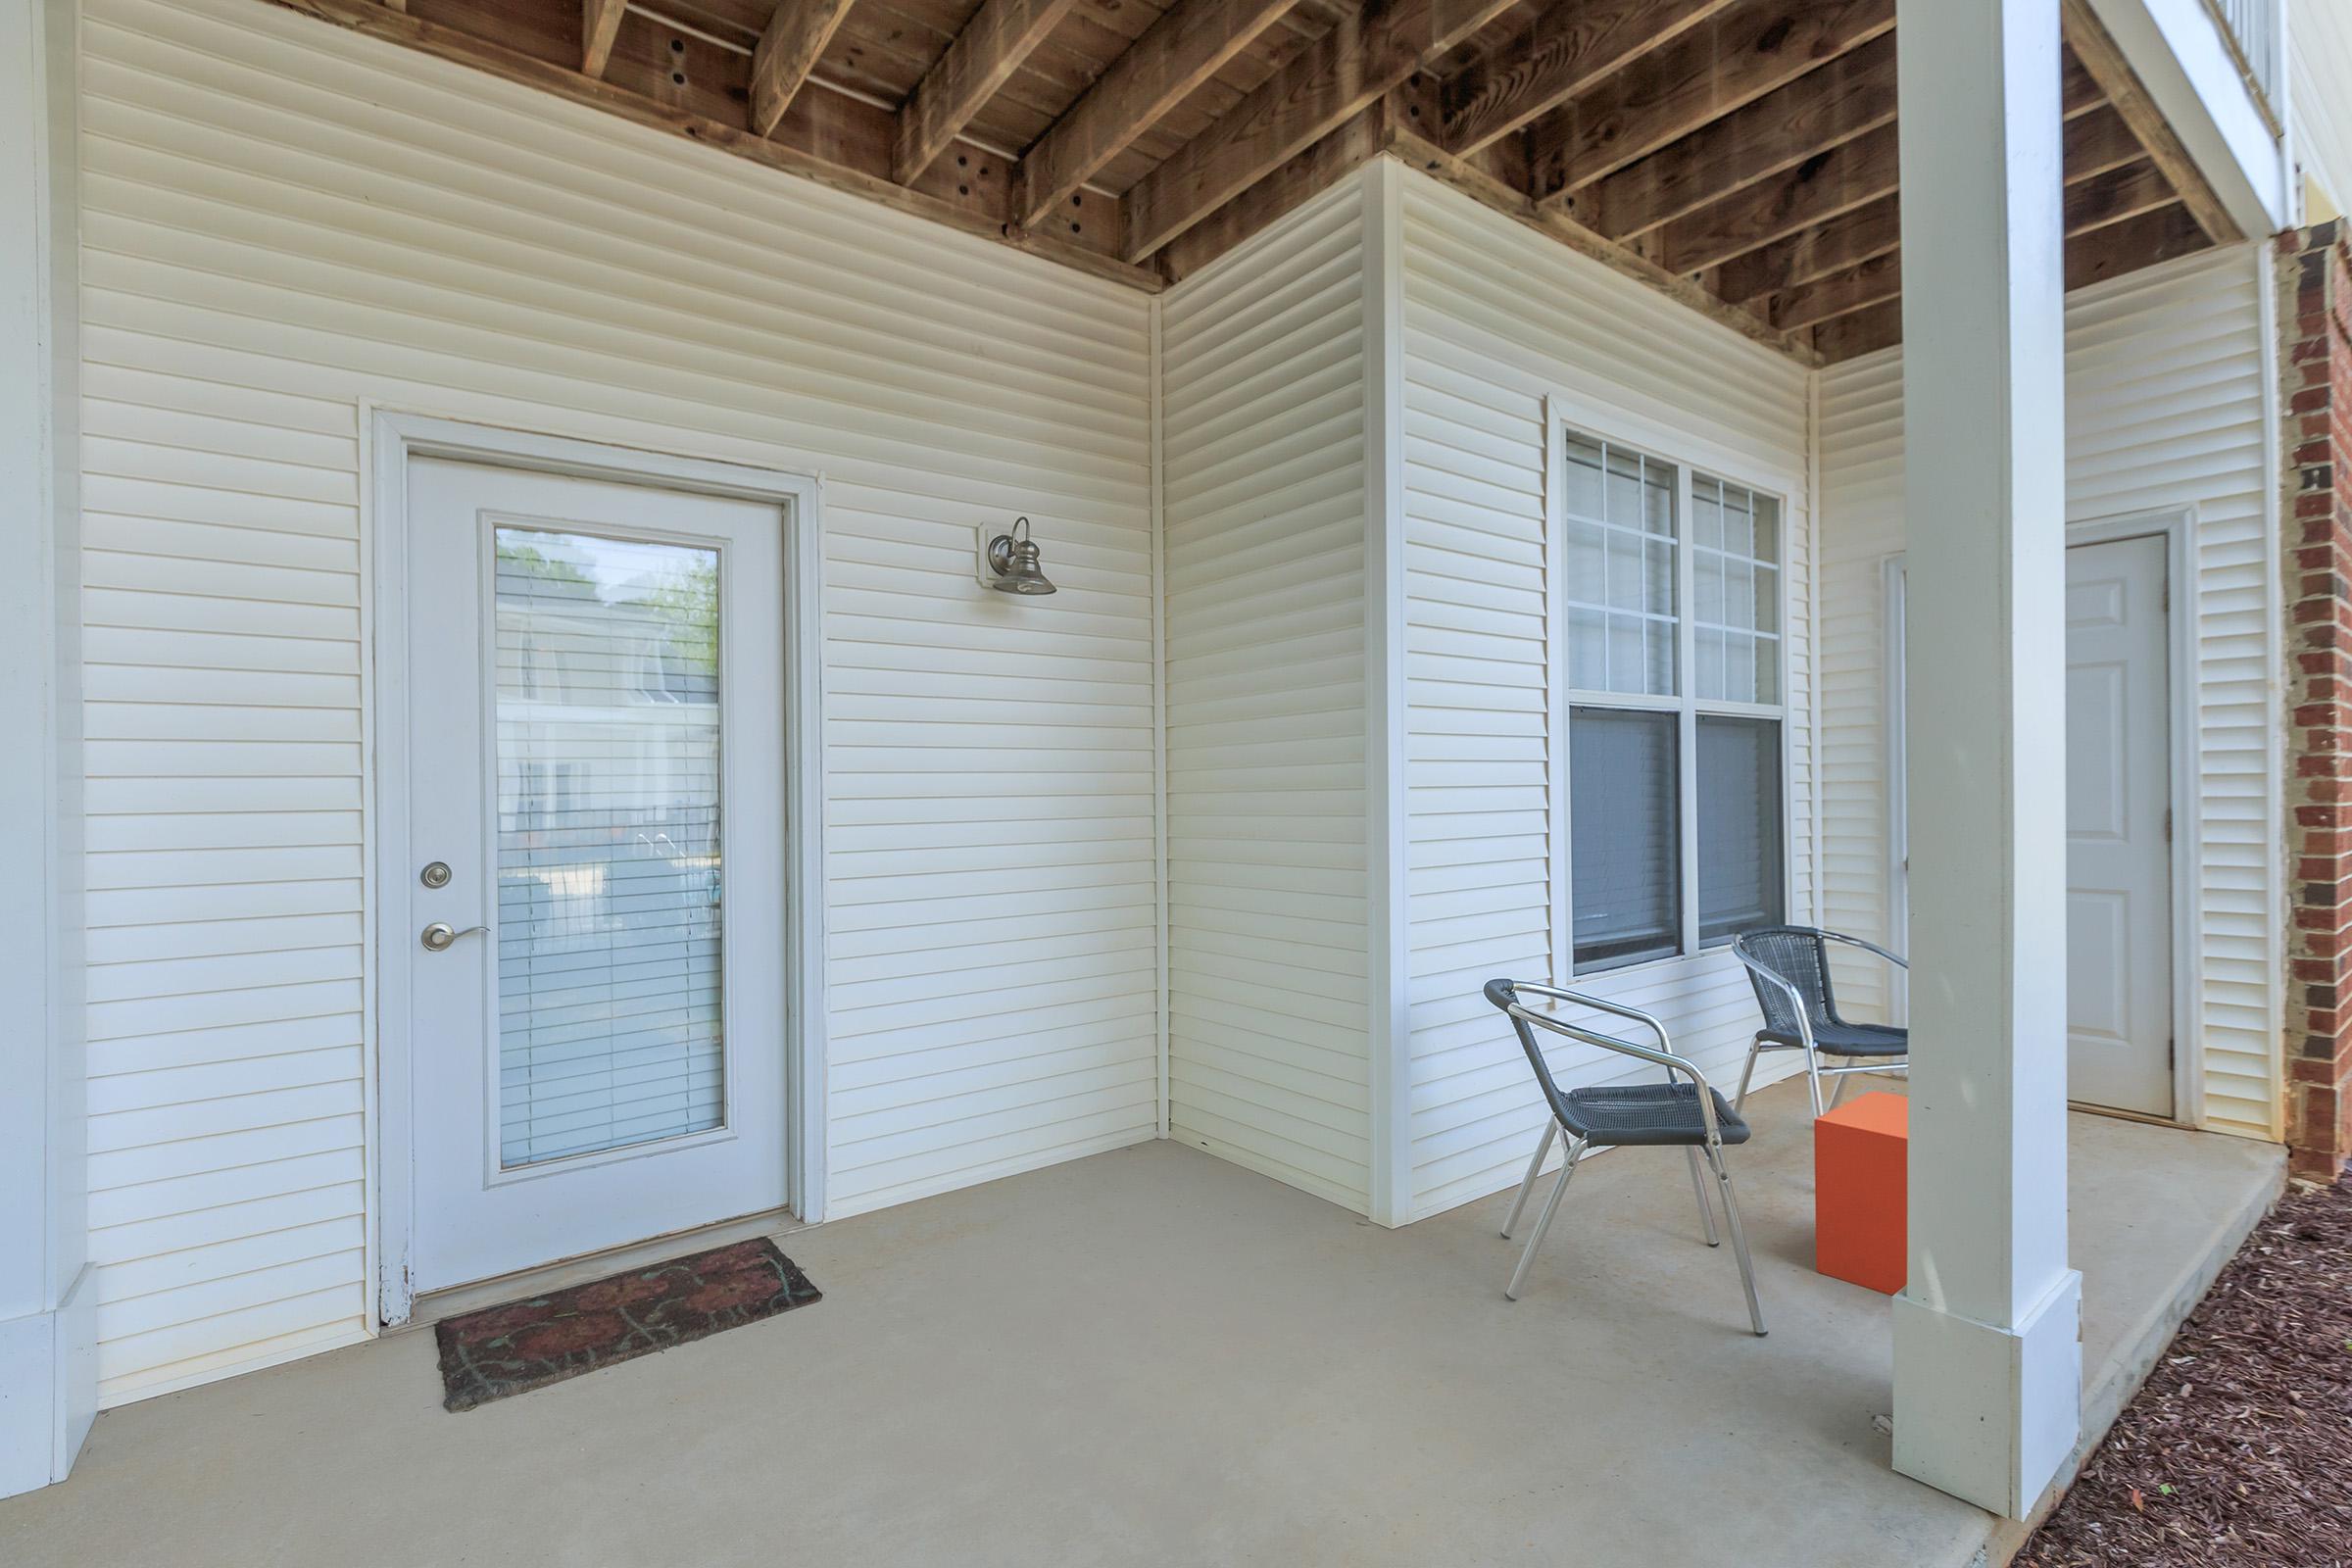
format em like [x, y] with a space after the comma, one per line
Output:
[1740, 851]
[1622, 805]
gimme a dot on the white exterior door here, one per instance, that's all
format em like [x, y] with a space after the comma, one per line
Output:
[596, 783]
[2118, 914]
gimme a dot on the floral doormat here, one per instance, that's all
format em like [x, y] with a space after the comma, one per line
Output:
[529, 1344]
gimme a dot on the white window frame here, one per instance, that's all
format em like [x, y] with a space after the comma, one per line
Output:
[1565, 412]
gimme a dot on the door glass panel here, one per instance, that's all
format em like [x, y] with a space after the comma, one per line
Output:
[609, 905]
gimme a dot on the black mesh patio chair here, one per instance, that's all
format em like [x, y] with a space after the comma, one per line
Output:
[1789, 968]
[1688, 1115]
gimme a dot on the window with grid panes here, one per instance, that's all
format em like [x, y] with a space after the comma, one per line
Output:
[1671, 600]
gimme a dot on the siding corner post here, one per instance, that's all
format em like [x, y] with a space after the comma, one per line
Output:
[1987, 1352]
[1384, 732]
[48, 1380]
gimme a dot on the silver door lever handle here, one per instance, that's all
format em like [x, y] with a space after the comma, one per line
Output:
[438, 937]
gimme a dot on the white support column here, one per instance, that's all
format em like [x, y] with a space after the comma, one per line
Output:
[48, 1386]
[1987, 1362]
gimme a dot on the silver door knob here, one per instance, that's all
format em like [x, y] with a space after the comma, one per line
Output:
[438, 937]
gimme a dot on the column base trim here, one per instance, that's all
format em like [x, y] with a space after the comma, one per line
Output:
[1989, 1415]
[48, 1389]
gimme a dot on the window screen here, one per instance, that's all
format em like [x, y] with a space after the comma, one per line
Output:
[1624, 836]
[1738, 825]
[1620, 582]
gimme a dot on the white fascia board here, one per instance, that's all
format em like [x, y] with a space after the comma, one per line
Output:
[2177, 49]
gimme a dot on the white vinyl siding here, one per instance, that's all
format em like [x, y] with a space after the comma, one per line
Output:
[2319, 47]
[286, 219]
[1262, 462]
[1496, 317]
[2165, 400]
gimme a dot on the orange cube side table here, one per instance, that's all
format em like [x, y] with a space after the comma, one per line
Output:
[1861, 1153]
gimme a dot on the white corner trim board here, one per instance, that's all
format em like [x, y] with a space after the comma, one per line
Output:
[397, 439]
[48, 1389]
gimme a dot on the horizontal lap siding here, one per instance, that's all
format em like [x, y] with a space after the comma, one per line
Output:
[2319, 47]
[1263, 462]
[2165, 409]
[283, 219]
[1495, 317]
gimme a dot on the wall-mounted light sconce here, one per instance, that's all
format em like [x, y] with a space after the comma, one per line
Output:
[1009, 561]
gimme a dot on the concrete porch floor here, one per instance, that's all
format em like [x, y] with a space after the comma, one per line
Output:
[1153, 1357]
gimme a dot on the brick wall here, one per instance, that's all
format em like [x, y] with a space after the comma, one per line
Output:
[2315, 316]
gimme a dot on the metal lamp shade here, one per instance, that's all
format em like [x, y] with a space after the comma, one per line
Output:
[1014, 561]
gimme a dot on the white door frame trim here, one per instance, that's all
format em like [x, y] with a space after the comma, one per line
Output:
[393, 439]
[2177, 526]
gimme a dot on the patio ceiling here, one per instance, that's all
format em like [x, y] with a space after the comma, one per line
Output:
[1738, 154]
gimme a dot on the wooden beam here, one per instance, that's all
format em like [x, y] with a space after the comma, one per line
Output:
[600, 23]
[1841, 293]
[1315, 171]
[1515, 205]
[1190, 43]
[990, 48]
[2096, 48]
[2079, 92]
[845, 146]
[1851, 95]
[1845, 241]
[2097, 142]
[1851, 174]
[796, 35]
[2136, 242]
[2116, 195]
[1875, 230]
[1741, 55]
[1859, 332]
[1318, 90]
[1574, 47]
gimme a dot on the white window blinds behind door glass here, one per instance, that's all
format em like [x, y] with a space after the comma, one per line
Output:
[609, 886]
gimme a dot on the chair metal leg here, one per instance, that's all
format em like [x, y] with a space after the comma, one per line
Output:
[1551, 1206]
[1837, 1095]
[1698, 1185]
[1551, 1125]
[1747, 1270]
[1739, 1101]
[1813, 1079]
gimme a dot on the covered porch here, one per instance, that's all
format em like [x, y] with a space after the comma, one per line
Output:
[1289, 378]
[1152, 1355]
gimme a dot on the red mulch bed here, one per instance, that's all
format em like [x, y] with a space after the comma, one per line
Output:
[2239, 1448]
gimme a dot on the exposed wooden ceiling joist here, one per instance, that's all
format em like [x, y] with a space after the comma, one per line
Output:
[1848, 240]
[1841, 293]
[796, 35]
[1853, 173]
[1740, 156]
[600, 23]
[1738, 56]
[2105, 62]
[1469, 178]
[1187, 45]
[1311, 96]
[1574, 47]
[2115, 194]
[2151, 237]
[990, 48]
[1856, 333]
[1852, 94]
[2115, 197]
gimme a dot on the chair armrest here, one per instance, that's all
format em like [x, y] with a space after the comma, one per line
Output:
[1894, 958]
[1663, 1055]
